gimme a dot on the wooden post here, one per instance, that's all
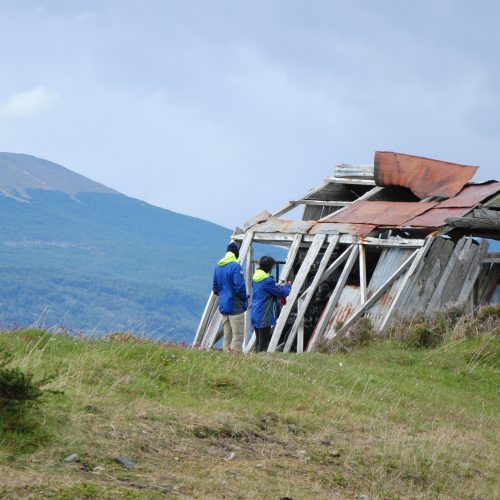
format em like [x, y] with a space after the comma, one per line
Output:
[300, 328]
[334, 298]
[362, 272]
[305, 300]
[297, 285]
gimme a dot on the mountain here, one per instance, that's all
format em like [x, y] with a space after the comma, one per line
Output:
[77, 254]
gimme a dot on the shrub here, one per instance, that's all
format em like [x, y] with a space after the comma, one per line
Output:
[361, 333]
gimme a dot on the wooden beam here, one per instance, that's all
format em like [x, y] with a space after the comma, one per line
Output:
[300, 329]
[213, 301]
[345, 239]
[341, 180]
[474, 270]
[362, 273]
[323, 203]
[305, 300]
[297, 285]
[490, 225]
[346, 171]
[332, 301]
[365, 196]
[492, 257]
[377, 294]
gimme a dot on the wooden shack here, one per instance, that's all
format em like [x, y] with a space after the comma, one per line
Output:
[403, 236]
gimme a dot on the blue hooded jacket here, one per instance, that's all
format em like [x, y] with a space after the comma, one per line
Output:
[264, 299]
[229, 285]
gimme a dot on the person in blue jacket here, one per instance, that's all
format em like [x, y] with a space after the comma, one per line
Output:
[265, 301]
[229, 285]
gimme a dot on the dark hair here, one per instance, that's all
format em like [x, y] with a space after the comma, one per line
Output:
[232, 247]
[266, 263]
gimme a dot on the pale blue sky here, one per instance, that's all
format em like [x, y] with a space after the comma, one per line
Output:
[220, 109]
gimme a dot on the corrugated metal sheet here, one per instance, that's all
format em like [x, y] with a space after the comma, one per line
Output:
[436, 217]
[383, 213]
[347, 304]
[390, 260]
[342, 228]
[458, 206]
[424, 176]
[471, 195]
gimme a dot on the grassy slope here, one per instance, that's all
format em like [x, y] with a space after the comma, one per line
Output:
[382, 421]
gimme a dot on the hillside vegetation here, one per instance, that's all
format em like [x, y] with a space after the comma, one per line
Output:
[389, 419]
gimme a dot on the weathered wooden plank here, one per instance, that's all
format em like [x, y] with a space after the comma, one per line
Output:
[493, 257]
[212, 302]
[435, 300]
[321, 203]
[346, 171]
[362, 273]
[248, 283]
[345, 239]
[297, 285]
[305, 300]
[405, 281]
[484, 213]
[490, 225]
[376, 295]
[425, 283]
[490, 281]
[340, 180]
[332, 301]
[300, 329]
[472, 275]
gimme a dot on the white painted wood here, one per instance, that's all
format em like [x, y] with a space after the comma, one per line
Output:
[322, 203]
[205, 318]
[305, 300]
[300, 329]
[297, 285]
[248, 283]
[340, 180]
[332, 301]
[362, 273]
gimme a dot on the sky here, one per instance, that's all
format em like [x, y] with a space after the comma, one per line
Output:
[222, 109]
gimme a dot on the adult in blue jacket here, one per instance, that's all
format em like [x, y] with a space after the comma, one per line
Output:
[265, 302]
[229, 285]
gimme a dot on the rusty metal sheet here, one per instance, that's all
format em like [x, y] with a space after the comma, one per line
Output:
[342, 228]
[276, 225]
[471, 195]
[424, 176]
[381, 213]
[436, 217]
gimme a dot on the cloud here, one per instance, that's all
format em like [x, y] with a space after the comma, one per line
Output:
[29, 103]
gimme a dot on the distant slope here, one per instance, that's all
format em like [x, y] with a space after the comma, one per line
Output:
[79, 254]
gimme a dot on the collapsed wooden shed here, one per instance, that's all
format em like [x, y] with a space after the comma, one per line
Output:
[406, 235]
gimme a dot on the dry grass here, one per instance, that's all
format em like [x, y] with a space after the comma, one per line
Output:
[384, 421]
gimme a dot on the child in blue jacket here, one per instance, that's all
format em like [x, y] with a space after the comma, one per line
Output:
[265, 302]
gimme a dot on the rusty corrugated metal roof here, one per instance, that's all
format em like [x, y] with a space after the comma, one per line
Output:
[381, 213]
[458, 206]
[471, 195]
[424, 176]
[436, 217]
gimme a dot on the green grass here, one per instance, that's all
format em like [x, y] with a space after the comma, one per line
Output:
[386, 420]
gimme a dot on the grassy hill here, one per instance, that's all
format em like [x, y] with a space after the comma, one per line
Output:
[388, 420]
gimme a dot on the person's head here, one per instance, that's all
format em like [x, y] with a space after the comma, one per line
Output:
[266, 263]
[232, 247]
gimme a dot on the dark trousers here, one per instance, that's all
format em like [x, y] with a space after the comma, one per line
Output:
[263, 338]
